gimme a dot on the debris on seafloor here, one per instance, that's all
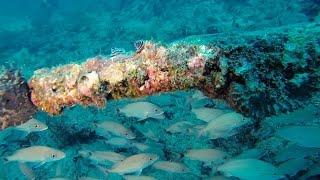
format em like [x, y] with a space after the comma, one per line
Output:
[235, 71]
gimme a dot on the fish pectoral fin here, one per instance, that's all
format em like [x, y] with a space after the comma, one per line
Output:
[142, 119]
[138, 173]
[103, 170]
[37, 165]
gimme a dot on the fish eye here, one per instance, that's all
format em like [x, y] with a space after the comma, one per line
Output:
[90, 153]
[156, 110]
[36, 125]
[53, 155]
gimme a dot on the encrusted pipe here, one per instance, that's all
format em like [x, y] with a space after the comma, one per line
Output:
[153, 68]
[258, 73]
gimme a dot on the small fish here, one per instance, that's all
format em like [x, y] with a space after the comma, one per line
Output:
[172, 167]
[139, 45]
[224, 126]
[143, 110]
[254, 153]
[293, 166]
[219, 178]
[208, 156]
[250, 169]
[32, 125]
[207, 114]
[87, 178]
[181, 127]
[116, 51]
[36, 154]
[133, 177]
[141, 147]
[115, 129]
[102, 157]
[135, 163]
[119, 142]
[305, 136]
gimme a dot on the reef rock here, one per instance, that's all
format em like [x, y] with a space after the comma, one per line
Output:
[15, 105]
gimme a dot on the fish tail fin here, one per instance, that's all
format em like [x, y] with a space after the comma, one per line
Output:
[105, 171]
[201, 133]
[28, 172]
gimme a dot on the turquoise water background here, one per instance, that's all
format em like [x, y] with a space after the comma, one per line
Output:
[46, 33]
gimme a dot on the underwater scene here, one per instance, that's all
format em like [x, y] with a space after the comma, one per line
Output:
[160, 90]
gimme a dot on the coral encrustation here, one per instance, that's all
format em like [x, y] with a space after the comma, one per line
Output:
[153, 69]
[259, 74]
[15, 105]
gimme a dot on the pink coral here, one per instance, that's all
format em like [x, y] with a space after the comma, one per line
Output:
[196, 63]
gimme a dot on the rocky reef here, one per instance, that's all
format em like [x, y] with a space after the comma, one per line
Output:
[15, 105]
[259, 73]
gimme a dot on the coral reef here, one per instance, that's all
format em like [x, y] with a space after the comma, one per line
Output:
[258, 75]
[15, 105]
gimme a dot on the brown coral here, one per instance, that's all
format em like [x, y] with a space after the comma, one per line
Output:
[15, 106]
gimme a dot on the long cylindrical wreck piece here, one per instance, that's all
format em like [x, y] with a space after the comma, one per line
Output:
[153, 68]
[259, 73]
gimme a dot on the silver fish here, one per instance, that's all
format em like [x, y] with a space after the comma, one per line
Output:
[143, 110]
[135, 163]
[133, 177]
[115, 129]
[173, 167]
[207, 114]
[32, 125]
[250, 169]
[224, 126]
[181, 127]
[102, 157]
[119, 142]
[36, 154]
[208, 156]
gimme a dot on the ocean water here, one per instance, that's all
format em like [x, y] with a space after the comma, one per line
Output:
[282, 143]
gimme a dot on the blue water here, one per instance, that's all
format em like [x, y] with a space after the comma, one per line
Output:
[45, 33]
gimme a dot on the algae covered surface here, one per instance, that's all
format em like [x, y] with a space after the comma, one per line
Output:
[184, 89]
